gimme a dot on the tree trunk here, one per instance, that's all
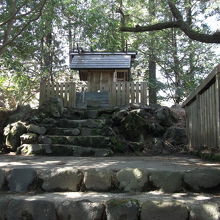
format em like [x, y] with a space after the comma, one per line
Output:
[176, 70]
[151, 60]
[122, 23]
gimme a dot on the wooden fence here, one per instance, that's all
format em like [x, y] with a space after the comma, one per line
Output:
[202, 113]
[123, 93]
[66, 91]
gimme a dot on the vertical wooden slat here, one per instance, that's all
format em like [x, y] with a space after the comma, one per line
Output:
[71, 95]
[123, 94]
[214, 116]
[65, 94]
[113, 94]
[201, 114]
[206, 119]
[127, 92]
[132, 93]
[217, 96]
[119, 94]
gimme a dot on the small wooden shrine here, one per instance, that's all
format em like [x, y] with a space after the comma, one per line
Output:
[101, 69]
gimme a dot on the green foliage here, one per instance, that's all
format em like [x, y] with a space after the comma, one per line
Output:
[41, 50]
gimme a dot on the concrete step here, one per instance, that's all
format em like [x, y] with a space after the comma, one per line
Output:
[25, 174]
[63, 150]
[85, 141]
[88, 123]
[77, 131]
[90, 206]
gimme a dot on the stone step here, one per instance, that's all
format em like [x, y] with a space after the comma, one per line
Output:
[77, 131]
[89, 206]
[63, 150]
[78, 114]
[104, 175]
[88, 123]
[85, 141]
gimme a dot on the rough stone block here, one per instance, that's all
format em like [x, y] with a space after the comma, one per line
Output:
[62, 179]
[199, 179]
[132, 179]
[36, 129]
[20, 179]
[34, 149]
[29, 138]
[3, 207]
[2, 178]
[30, 210]
[118, 209]
[80, 210]
[205, 211]
[98, 180]
[163, 211]
[167, 181]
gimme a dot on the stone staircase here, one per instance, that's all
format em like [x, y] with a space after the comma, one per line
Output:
[77, 133]
[116, 188]
[63, 185]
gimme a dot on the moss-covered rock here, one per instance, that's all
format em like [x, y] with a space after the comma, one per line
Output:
[118, 209]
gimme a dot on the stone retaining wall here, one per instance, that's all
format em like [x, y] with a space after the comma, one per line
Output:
[39, 208]
[103, 180]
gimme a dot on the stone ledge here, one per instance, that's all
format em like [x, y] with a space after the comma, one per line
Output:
[69, 178]
[112, 206]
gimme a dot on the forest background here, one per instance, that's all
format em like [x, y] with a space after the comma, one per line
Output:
[36, 37]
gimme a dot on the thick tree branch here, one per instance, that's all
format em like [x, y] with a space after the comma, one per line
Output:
[153, 27]
[179, 23]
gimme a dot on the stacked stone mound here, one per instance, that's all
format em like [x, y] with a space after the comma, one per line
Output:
[53, 130]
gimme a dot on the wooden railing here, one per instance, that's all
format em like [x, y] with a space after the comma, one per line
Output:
[124, 93]
[66, 91]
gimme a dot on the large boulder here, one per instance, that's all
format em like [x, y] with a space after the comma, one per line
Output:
[167, 181]
[200, 179]
[13, 133]
[165, 116]
[176, 136]
[23, 113]
[133, 127]
[118, 209]
[163, 211]
[53, 107]
[118, 116]
[62, 179]
[98, 180]
[30, 209]
[132, 179]
[21, 179]
[80, 210]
